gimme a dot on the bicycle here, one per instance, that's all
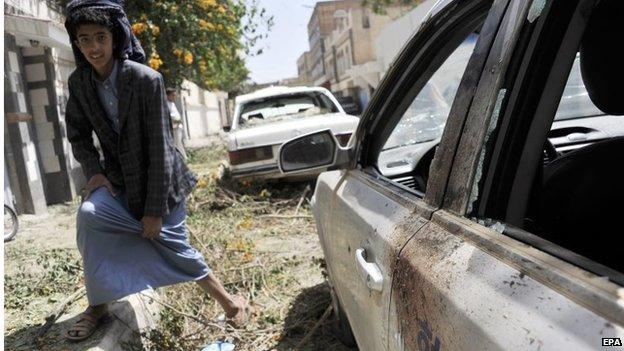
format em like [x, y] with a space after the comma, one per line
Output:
[11, 223]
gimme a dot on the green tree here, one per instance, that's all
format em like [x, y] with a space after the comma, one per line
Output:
[203, 41]
[379, 6]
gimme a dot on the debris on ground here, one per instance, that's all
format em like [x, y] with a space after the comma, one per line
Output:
[258, 237]
[260, 240]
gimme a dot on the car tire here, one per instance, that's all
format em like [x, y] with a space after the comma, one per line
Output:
[340, 326]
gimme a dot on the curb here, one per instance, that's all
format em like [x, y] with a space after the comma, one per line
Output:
[131, 315]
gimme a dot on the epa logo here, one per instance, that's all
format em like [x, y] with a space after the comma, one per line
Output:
[611, 342]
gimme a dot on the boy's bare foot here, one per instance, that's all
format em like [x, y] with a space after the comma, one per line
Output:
[239, 316]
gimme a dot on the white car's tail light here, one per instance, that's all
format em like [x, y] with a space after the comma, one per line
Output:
[250, 155]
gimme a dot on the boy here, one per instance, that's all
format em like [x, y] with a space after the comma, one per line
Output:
[131, 228]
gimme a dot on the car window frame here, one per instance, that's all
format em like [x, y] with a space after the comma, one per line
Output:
[500, 240]
[539, 46]
[375, 118]
[516, 155]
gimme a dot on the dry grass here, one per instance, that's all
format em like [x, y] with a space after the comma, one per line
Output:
[276, 262]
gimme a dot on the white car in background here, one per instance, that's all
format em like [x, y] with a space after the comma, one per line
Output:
[265, 119]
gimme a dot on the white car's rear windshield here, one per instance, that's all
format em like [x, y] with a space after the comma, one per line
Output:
[291, 106]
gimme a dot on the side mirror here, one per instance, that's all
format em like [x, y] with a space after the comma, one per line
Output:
[318, 150]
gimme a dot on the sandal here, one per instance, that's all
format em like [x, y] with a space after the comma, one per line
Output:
[87, 323]
[240, 319]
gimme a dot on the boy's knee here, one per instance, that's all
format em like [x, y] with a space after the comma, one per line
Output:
[87, 212]
[91, 208]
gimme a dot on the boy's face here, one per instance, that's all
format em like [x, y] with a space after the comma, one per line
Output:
[96, 44]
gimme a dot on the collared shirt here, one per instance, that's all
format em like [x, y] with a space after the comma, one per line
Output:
[176, 119]
[107, 92]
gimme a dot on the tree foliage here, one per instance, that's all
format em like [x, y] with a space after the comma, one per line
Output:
[379, 6]
[203, 41]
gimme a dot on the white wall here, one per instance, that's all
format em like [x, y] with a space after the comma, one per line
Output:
[202, 110]
[395, 35]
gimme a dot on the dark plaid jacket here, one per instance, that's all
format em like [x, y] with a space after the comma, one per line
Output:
[141, 158]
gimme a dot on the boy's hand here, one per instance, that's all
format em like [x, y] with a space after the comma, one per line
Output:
[96, 181]
[151, 226]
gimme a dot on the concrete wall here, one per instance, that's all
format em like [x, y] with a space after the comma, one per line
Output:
[21, 155]
[47, 71]
[202, 110]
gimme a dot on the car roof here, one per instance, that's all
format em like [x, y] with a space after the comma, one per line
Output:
[276, 90]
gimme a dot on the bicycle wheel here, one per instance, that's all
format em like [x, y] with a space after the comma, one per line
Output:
[10, 223]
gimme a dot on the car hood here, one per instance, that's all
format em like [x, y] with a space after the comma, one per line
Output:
[282, 131]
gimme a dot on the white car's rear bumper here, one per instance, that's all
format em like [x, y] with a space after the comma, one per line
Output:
[270, 171]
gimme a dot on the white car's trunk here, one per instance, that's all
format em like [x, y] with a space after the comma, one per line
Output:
[282, 131]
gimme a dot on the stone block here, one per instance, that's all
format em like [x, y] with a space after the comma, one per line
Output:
[33, 51]
[13, 62]
[35, 72]
[39, 97]
[45, 131]
[50, 164]
[21, 102]
[39, 114]
[46, 148]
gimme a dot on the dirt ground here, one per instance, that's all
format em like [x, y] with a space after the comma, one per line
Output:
[42, 267]
[259, 238]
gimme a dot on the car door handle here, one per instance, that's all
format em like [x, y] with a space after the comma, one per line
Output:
[369, 272]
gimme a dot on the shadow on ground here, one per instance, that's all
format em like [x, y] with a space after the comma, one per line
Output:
[28, 337]
[278, 188]
[307, 308]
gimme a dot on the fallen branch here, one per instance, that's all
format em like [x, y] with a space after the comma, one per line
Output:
[314, 328]
[204, 247]
[195, 318]
[243, 267]
[303, 197]
[60, 309]
[232, 195]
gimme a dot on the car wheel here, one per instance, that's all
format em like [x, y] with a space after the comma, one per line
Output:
[340, 324]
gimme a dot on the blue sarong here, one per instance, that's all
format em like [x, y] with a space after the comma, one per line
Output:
[118, 261]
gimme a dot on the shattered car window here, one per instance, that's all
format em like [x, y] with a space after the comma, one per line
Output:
[425, 118]
[283, 107]
[575, 102]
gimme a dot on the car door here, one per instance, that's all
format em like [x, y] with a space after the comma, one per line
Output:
[364, 218]
[466, 283]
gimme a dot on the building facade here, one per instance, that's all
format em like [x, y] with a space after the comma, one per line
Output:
[303, 69]
[342, 55]
[320, 25]
[350, 59]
